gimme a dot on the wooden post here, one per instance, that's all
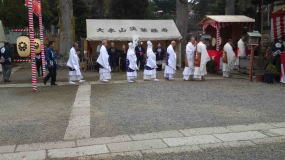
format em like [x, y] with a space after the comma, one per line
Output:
[251, 63]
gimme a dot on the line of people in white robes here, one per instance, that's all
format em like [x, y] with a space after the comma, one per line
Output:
[196, 59]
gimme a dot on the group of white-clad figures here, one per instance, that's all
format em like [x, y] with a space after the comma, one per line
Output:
[196, 60]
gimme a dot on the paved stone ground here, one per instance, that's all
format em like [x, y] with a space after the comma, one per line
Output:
[262, 152]
[167, 142]
[28, 117]
[157, 106]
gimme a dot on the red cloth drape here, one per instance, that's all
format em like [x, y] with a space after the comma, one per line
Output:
[216, 56]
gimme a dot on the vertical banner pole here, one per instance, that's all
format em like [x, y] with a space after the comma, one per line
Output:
[32, 41]
[42, 40]
[251, 64]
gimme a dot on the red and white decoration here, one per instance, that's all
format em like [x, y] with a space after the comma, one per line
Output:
[278, 25]
[42, 39]
[218, 27]
[282, 77]
[32, 42]
[36, 6]
[20, 30]
[22, 60]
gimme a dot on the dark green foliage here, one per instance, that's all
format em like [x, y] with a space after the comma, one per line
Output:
[13, 13]
[80, 10]
[128, 9]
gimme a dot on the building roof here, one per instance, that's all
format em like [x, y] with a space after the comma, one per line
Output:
[279, 9]
[228, 19]
[125, 30]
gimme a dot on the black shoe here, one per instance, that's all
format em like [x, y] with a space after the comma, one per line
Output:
[45, 82]
[54, 84]
[7, 81]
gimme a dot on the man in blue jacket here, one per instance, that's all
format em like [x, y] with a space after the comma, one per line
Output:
[6, 62]
[51, 57]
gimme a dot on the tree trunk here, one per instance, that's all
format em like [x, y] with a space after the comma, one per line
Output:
[66, 26]
[182, 24]
[230, 7]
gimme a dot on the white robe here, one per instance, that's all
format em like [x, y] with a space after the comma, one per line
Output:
[103, 60]
[132, 63]
[241, 48]
[150, 63]
[241, 51]
[170, 67]
[227, 67]
[205, 58]
[73, 63]
[190, 57]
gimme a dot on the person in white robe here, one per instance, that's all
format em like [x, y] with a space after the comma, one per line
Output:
[150, 67]
[241, 50]
[188, 73]
[131, 63]
[229, 59]
[74, 66]
[170, 66]
[103, 61]
[200, 70]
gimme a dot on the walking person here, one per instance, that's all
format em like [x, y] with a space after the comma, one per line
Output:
[131, 64]
[160, 53]
[201, 59]
[140, 53]
[241, 50]
[114, 57]
[103, 61]
[188, 73]
[170, 67]
[39, 65]
[150, 67]
[6, 62]
[51, 59]
[123, 57]
[229, 59]
[74, 65]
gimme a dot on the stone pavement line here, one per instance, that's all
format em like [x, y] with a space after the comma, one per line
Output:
[26, 85]
[79, 122]
[188, 140]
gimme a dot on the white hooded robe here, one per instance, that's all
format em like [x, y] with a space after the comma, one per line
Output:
[190, 57]
[73, 63]
[103, 60]
[150, 68]
[170, 67]
[205, 58]
[241, 51]
[227, 67]
[131, 61]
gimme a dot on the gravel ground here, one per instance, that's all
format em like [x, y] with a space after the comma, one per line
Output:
[157, 106]
[28, 117]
